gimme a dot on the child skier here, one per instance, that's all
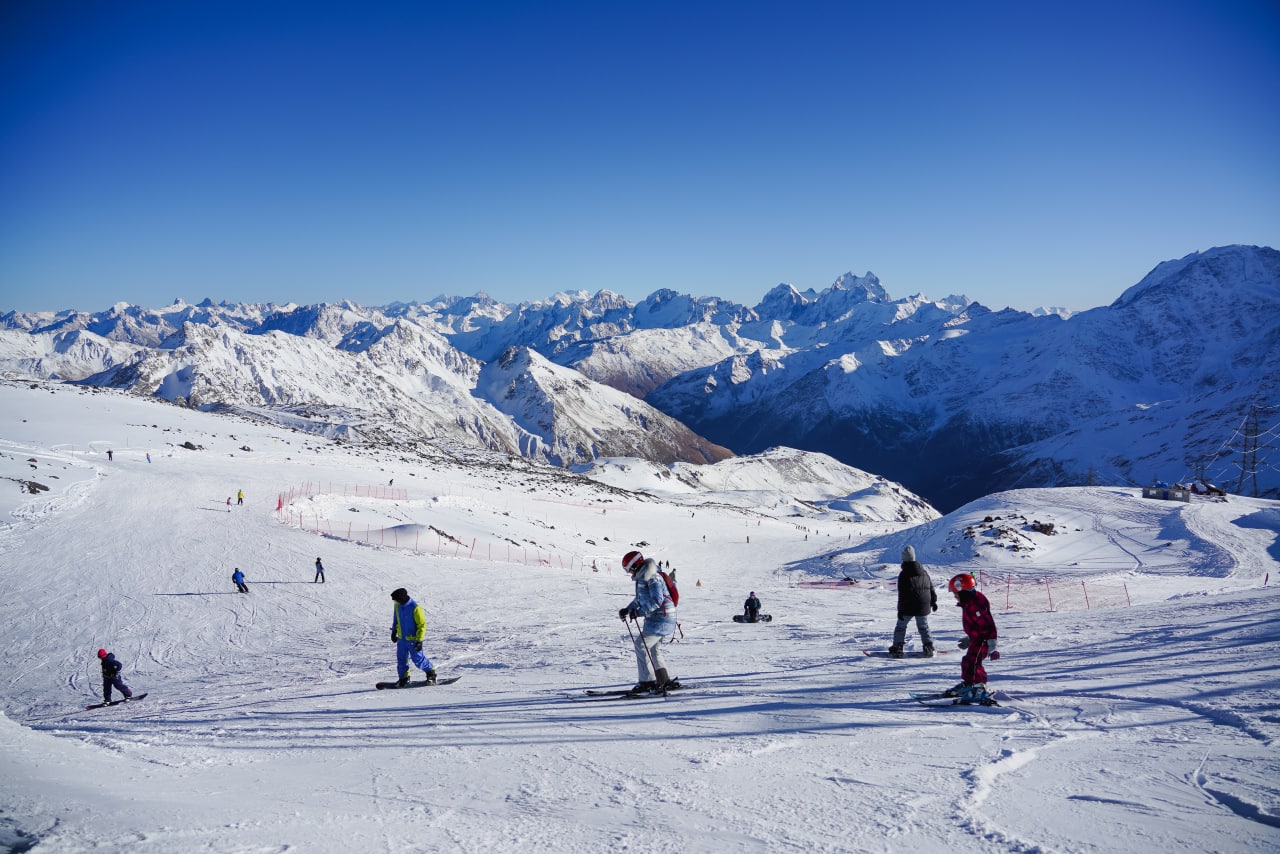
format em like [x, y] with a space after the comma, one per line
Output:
[111, 676]
[979, 642]
[653, 602]
[238, 578]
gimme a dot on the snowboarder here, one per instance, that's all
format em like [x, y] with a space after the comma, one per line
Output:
[110, 456]
[652, 601]
[319, 572]
[751, 611]
[111, 676]
[240, 496]
[238, 578]
[408, 627]
[916, 600]
[979, 641]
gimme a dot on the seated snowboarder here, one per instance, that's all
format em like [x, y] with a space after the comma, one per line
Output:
[751, 611]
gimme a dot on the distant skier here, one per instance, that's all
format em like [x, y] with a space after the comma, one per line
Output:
[653, 602]
[916, 599]
[979, 641]
[240, 496]
[148, 456]
[408, 628]
[319, 572]
[110, 456]
[238, 578]
[111, 676]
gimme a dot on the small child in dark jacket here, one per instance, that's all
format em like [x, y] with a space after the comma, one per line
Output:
[916, 600]
[111, 676]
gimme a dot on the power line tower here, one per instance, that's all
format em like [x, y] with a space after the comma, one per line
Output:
[1249, 453]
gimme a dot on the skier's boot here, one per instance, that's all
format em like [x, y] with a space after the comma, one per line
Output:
[402, 681]
[431, 677]
[643, 688]
[665, 682]
[927, 652]
[895, 651]
[956, 690]
[976, 693]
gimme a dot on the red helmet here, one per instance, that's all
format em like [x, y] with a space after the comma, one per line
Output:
[631, 561]
[102, 653]
[963, 581]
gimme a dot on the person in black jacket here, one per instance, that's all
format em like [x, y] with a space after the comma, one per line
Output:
[111, 676]
[916, 600]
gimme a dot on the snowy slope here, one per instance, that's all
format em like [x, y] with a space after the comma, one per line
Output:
[1150, 727]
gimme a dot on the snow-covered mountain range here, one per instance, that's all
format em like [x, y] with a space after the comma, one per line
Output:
[946, 396]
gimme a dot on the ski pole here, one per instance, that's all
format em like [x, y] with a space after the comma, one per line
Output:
[653, 665]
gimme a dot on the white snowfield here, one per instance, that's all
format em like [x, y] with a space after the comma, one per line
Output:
[1150, 727]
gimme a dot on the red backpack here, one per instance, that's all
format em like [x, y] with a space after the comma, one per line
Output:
[671, 587]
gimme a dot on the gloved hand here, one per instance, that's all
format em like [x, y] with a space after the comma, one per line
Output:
[995, 656]
[935, 607]
[964, 643]
[417, 646]
[622, 613]
[393, 635]
[634, 613]
[992, 652]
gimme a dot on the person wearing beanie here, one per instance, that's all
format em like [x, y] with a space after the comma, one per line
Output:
[408, 628]
[751, 607]
[237, 578]
[111, 676]
[916, 600]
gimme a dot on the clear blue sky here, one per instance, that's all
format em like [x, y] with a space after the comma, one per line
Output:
[1020, 153]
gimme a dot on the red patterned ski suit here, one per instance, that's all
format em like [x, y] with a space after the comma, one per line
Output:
[980, 628]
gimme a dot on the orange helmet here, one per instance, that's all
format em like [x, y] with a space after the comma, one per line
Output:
[963, 581]
[631, 561]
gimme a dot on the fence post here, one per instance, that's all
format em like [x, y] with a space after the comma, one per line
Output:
[1050, 592]
[1086, 595]
[1008, 590]
[1126, 594]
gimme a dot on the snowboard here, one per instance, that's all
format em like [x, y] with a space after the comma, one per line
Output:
[135, 698]
[423, 684]
[884, 653]
[762, 618]
[940, 700]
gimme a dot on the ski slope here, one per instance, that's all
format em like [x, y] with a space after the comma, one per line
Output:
[1151, 727]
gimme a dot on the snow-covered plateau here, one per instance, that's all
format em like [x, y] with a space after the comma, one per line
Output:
[1139, 687]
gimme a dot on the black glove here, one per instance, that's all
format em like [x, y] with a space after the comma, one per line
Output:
[935, 608]
[964, 643]
[634, 613]
[417, 646]
[393, 635]
[623, 612]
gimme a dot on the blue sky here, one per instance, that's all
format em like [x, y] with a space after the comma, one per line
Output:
[1019, 153]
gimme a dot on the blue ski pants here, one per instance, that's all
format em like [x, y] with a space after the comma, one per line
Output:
[406, 653]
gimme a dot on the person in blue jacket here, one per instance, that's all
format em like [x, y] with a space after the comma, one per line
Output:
[653, 602]
[238, 578]
[319, 572]
[408, 628]
[111, 676]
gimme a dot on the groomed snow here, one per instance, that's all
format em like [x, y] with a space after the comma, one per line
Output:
[1149, 727]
